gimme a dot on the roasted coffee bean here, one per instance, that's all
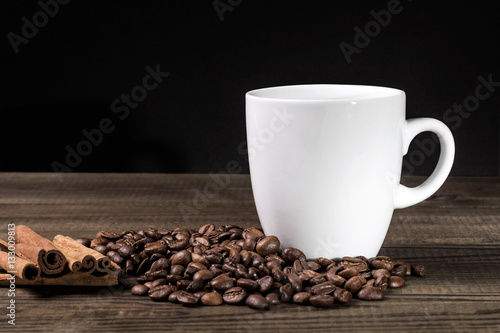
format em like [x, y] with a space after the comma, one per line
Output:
[187, 298]
[129, 267]
[380, 272]
[156, 256]
[249, 244]
[211, 298]
[145, 278]
[151, 233]
[229, 268]
[418, 270]
[291, 254]
[84, 241]
[274, 258]
[139, 290]
[323, 288]
[324, 262]
[312, 265]
[206, 228]
[289, 269]
[318, 279]
[308, 274]
[301, 297]
[158, 274]
[247, 284]
[203, 274]
[241, 272]
[321, 300]
[182, 257]
[101, 249]
[265, 284]
[213, 257]
[177, 269]
[370, 294]
[369, 283]
[234, 255]
[252, 233]
[334, 269]
[202, 241]
[298, 266]
[163, 232]
[160, 264]
[178, 244]
[257, 260]
[222, 282]
[268, 245]
[112, 246]
[173, 296]
[357, 263]
[257, 301]
[286, 293]
[199, 294]
[366, 275]
[396, 281]
[196, 266]
[354, 284]
[182, 284]
[160, 293]
[381, 282]
[115, 257]
[253, 273]
[348, 272]
[382, 262]
[156, 247]
[234, 295]
[399, 270]
[342, 296]
[276, 273]
[171, 278]
[273, 298]
[195, 285]
[125, 250]
[216, 269]
[245, 258]
[158, 282]
[273, 264]
[335, 279]
[99, 241]
[108, 235]
[276, 285]
[295, 282]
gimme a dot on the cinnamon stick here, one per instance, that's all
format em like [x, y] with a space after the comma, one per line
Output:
[20, 267]
[80, 260]
[103, 264]
[40, 250]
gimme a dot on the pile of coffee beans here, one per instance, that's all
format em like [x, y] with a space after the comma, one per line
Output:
[232, 265]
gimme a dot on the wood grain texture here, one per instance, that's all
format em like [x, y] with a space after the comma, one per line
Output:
[455, 233]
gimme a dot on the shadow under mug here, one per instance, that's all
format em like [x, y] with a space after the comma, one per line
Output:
[325, 164]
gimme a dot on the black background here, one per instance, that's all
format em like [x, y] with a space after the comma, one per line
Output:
[64, 79]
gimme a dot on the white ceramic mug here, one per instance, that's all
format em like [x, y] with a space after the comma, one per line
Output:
[325, 164]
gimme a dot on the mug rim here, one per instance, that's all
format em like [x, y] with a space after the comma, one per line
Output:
[311, 93]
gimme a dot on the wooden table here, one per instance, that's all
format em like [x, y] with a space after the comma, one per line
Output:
[456, 234]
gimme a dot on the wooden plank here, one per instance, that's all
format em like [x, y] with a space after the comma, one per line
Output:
[456, 234]
[66, 279]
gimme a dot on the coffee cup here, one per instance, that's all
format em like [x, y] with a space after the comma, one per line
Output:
[326, 160]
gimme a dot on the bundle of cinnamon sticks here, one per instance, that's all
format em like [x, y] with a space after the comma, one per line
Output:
[35, 260]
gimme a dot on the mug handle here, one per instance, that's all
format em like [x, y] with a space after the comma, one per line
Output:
[405, 196]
